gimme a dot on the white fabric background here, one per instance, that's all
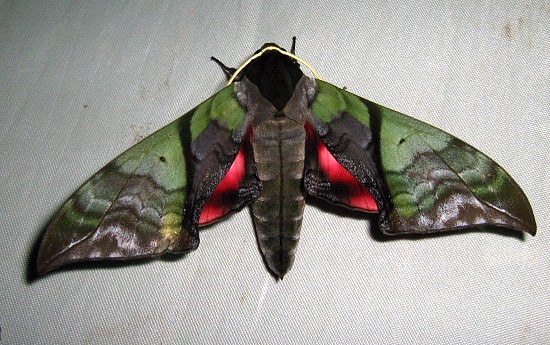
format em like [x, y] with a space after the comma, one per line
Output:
[81, 82]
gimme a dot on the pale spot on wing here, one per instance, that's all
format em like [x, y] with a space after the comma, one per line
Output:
[129, 201]
[93, 254]
[170, 225]
[424, 220]
[127, 241]
[441, 174]
[450, 209]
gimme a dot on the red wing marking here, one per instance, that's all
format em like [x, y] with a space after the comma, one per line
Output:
[343, 184]
[220, 203]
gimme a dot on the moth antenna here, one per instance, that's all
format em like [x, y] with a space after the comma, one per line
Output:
[228, 71]
[293, 47]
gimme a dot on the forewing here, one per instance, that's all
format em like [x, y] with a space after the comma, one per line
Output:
[432, 181]
[148, 200]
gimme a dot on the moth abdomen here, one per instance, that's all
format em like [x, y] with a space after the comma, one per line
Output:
[279, 154]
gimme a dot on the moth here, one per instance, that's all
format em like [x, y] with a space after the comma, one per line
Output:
[270, 138]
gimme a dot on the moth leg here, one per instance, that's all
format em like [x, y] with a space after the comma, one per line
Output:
[249, 191]
[316, 184]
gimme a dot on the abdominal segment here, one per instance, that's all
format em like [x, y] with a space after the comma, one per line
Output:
[279, 154]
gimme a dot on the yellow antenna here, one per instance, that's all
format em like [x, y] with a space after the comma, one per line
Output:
[284, 52]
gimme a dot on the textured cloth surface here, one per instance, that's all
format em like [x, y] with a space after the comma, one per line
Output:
[81, 82]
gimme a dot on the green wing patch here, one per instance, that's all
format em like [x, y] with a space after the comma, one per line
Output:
[436, 181]
[134, 206]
